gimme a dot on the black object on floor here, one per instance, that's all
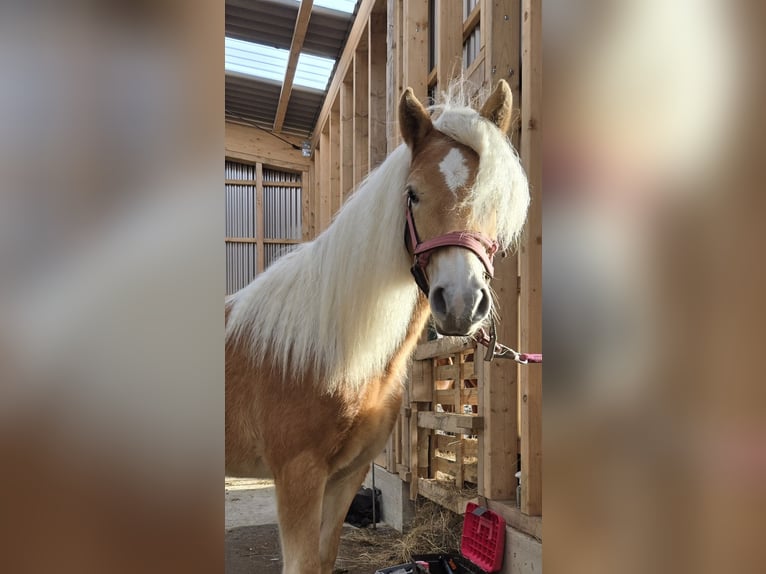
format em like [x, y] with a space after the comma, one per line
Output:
[360, 512]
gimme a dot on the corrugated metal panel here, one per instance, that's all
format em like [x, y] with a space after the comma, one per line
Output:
[303, 108]
[327, 32]
[313, 71]
[282, 212]
[268, 22]
[256, 59]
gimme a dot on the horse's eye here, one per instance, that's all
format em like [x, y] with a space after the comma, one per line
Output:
[412, 196]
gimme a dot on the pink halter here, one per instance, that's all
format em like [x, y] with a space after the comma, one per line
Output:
[484, 248]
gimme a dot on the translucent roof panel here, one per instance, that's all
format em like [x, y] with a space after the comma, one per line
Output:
[256, 60]
[339, 5]
[313, 71]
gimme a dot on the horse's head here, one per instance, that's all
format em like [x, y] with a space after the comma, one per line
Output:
[461, 204]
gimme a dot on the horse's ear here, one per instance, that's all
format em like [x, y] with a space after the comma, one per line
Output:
[498, 106]
[414, 121]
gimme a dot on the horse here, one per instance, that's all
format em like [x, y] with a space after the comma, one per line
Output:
[317, 346]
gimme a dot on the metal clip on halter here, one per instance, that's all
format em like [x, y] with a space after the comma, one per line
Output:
[495, 349]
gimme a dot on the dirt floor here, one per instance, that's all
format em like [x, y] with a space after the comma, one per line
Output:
[252, 535]
[255, 549]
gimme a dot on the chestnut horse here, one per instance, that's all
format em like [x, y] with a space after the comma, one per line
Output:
[317, 346]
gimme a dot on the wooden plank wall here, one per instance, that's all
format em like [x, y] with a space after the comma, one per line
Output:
[388, 49]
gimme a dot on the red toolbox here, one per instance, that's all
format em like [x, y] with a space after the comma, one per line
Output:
[483, 539]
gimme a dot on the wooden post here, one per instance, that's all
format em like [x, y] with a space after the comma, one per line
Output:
[335, 161]
[377, 85]
[347, 135]
[450, 41]
[259, 219]
[501, 31]
[415, 20]
[316, 183]
[324, 187]
[306, 187]
[414, 452]
[498, 392]
[395, 71]
[361, 117]
[531, 261]
[498, 381]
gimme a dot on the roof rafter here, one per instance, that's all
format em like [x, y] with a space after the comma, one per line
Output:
[299, 34]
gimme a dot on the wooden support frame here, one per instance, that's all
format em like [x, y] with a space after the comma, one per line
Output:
[347, 135]
[259, 224]
[449, 44]
[361, 112]
[531, 260]
[252, 145]
[501, 37]
[296, 45]
[336, 193]
[376, 46]
[415, 52]
[395, 73]
[324, 181]
[344, 62]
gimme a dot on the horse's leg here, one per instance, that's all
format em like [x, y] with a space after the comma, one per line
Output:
[300, 484]
[338, 495]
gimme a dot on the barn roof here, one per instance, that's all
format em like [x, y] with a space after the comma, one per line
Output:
[280, 56]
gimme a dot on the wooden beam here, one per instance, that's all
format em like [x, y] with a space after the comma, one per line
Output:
[415, 55]
[472, 21]
[449, 44]
[532, 525]
[498, 380]
[498, 384]
[299, 34]
[377, 87]
[531, 260]
[344, 62]
[324, 183]
[414, 445]
[306, 205]
[444, 494]
[255, 145]
[315, 171]
[265, 241]
[442, 346]
[501, 37]
[394, 72]
[335, 162]
[450, 422]
[259, 223]
[347, 135]
[361, 113]
[274, 183]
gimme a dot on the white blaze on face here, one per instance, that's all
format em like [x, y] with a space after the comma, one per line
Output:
[454, 169]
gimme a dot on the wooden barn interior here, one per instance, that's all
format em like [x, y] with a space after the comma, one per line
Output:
[309, 112]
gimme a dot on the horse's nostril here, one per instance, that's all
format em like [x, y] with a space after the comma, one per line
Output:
[482, 307]
[438, 302]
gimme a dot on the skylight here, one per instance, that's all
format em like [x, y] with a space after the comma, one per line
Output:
[339, 5]
[313, 71]
[256, 60]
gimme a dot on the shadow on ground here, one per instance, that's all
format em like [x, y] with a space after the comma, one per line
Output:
[255, 550]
